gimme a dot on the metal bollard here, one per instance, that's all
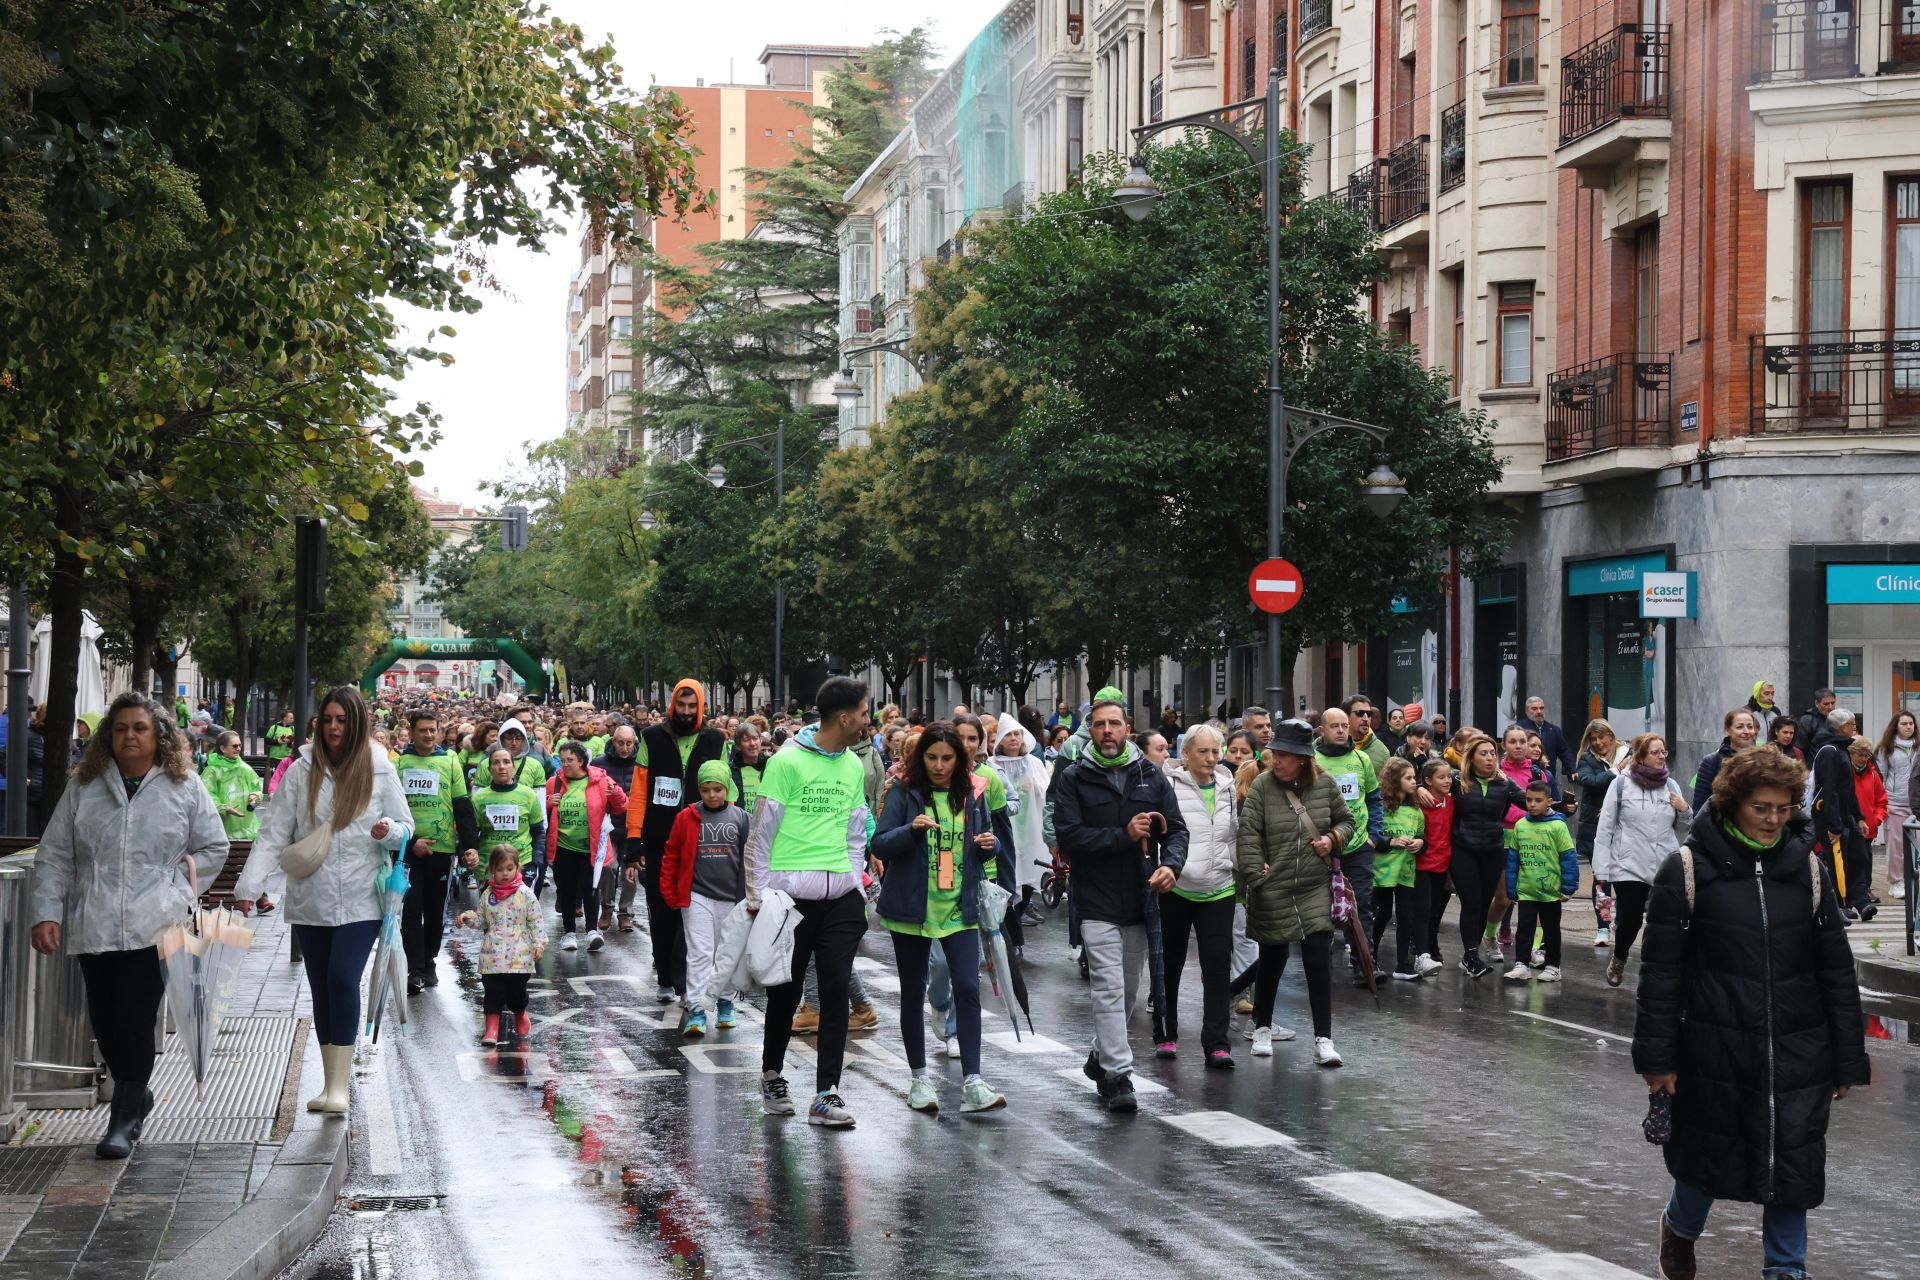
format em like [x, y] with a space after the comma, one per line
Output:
[49, 1034]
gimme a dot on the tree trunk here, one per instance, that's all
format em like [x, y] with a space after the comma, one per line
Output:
[65, 587]
[166, 672]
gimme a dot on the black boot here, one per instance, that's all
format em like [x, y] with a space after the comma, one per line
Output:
[123, 1119]
[146, 1109]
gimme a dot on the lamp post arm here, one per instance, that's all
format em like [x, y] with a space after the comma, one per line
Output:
[1304, 424]
[892, 347]
[1219, 120]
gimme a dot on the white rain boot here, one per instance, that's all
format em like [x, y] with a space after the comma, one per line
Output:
[337, 1061]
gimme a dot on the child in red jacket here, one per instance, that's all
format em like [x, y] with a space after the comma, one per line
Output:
[1433, 861]
[1868, 786]
[703, 873]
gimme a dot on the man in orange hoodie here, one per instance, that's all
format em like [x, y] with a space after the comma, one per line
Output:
[665, 773]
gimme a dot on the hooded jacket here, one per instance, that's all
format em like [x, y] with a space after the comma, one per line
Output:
[345, 887]
[826, 791]
[663, 777]
[111, 868]
[1210, 836]
[1092, 805]
[1638, 831]
[1288, 887]
[526, 765]
[1749, 997]
[230, 782]
[604, 798]
[1763, 715]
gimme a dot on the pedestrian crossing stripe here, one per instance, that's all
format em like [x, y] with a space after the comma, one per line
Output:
[1569, 1266]
[1141, 1084]
[1029, 1043]
[1389, 1197]
[1226, 1129]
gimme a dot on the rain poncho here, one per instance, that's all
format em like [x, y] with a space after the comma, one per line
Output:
[230, 782]
[1025, 778]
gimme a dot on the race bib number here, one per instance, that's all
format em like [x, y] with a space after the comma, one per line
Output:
[666, 791]
[420, 782]
[504, 817]
[1349, 787]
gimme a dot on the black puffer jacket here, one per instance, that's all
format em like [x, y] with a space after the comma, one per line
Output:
[1594, 777]
[1480, 812]
[1751, 1000]
[1091, 808]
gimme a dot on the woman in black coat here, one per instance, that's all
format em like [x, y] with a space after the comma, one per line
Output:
[1749, 1013]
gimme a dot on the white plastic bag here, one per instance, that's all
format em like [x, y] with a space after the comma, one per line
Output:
[730, 969]
[770, 941]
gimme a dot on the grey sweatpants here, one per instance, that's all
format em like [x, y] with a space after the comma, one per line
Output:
[1116, 959]
[810, 992]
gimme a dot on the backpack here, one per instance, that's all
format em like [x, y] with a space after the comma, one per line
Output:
[1813, 870]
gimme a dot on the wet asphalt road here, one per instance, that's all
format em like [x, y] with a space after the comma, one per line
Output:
[1507, 1117]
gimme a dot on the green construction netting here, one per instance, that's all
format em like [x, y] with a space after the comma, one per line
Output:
[988, 137]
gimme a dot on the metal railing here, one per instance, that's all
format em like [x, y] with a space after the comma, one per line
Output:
[1843, 380]
[1453, 146]
[1156, 99]
[1805, 40]
[1900, 37]
[49, 1056]
[1403, 192]
[1624, 73]
[1361, 191]
[1315, 16]
[1615, 402]
[1018, 196]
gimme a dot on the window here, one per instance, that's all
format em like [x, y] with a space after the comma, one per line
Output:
[1460, 49]
[1400, 328]
[1076, 135]
[1825, 209]
[1646, 314]
[1280, 39]
[1249, 67]
[622, 273]
[766, 133]
[1076, 19]
[1904, 296]
[620, 380]
[1519, 36]
[856, 278]
[1457, 282]
[623, 326]
[1514, 324]
[1195, 28]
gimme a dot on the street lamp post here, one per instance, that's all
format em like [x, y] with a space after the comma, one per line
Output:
[1286, 433]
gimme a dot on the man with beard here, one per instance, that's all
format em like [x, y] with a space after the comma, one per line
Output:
[619, 761]
[667, 763]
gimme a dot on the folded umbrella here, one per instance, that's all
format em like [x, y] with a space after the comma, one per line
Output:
[1346, 914]
[1156, 935]
[389, 975]
[199, 961]
[991, 911]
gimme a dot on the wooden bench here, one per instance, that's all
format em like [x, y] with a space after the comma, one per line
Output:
[217, 894]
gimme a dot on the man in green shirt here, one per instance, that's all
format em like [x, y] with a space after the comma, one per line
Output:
[280, 738]
[1363, 718]
[1352, 771]
[809, 840]
[435, 785]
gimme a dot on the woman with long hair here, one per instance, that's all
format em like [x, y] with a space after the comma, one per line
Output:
[110, 866]
[1642, 822]
[1895, 756]
[1595, 764]
[342, 790]
[934, 838]
[1483, 798]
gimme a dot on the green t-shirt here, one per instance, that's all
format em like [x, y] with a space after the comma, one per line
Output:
[818, 794]
[509, 817]
[573, 817]
[749, 785]
[1537, 845]
[1394, 868]
[279, 741]
[943, 905]
[431, 784]
[1353, 774]
[597, 746]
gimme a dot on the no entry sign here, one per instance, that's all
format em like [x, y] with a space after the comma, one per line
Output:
[1274, 586]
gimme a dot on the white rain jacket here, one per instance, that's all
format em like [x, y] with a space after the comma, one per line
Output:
[1025, 778]
[345, 888]
[1211, 840]
[115, 868]
[1638, 831]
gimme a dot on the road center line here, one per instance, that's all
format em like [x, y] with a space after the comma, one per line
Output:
[1225, 1129]
[1571, 1026]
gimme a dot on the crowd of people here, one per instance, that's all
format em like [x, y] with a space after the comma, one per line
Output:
[1239, 841]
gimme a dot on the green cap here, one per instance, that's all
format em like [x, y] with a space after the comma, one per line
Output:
[1111, 694]
[716, 771]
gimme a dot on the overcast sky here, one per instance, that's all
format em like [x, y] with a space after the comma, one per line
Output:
[507, 384]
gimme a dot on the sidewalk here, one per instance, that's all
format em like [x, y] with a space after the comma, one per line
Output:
[235, 1184]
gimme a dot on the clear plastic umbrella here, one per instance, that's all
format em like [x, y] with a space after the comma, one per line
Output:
[992, 913]
[200, 960]
[389, 975]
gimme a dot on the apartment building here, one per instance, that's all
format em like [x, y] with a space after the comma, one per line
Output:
[414, 612]
[735, 127]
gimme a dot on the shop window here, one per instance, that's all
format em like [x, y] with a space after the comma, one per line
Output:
[1519, 41]
[1513, 323]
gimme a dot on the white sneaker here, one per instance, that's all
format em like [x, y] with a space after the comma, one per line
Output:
[1899, 889]
[953, 1047]
[568, 942]
[1263, 1042]
[1324, 1054]
[1519, 973]
[1539, 958]
[1550, 974]
[1425, 964]
[1407, 975]
[1604, 937]
[921, 1095]
[1490, 951]
[594, 940]
[1073, 954]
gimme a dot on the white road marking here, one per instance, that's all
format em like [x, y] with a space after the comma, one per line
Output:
[1225, 1129]
[1569, 1266]
[583, 985]
[1571, 1026]
[1389, 1197]
[1140, 1083]
[704, 1058]
[1029, 1043]
[383, 1127]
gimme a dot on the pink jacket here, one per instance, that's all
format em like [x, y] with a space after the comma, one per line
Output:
[604, 796]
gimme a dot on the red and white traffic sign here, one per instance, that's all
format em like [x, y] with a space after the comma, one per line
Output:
[1274, 585]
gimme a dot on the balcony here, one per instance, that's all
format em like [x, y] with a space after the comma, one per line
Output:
[1615, 406]
[1806, 40]
[1018, 197]
[1453, 147]
[1360, 193]
[1828, 383]
[1315, 16]
[1402, 191]
[1614, 101]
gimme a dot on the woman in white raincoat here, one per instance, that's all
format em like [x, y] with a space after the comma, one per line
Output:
[1018, 761]
[112, 864]
[344, 782]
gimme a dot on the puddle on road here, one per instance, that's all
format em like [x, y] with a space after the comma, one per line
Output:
[372, 1261]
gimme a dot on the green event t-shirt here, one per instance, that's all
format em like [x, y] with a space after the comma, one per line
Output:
[1394, 868]
[509, 817]
[597, 746]
[1538, 845]
[1353, 774]
[944, 916]
[818, 794]
[749, 785]
[431, 784]
[573, 817]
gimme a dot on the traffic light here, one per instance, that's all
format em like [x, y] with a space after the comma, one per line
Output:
[513, 533]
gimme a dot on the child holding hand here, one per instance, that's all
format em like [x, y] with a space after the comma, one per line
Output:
[511, 942]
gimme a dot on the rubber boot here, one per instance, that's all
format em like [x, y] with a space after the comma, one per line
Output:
[523, 1024]
[337, 1061]
[145, 1110]
[123, 1113]
[491, 1035]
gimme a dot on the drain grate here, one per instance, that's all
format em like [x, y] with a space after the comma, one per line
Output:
[26, 1171]
[393, 1204]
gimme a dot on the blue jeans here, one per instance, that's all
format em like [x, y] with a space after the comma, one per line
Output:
[1783, 1231]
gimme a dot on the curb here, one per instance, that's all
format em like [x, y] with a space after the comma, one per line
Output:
[1895, 975]
[263, 1236]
